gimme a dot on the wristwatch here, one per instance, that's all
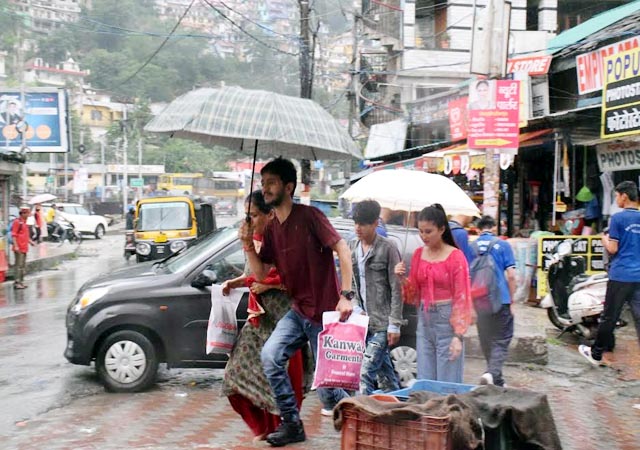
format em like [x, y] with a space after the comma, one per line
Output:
[348, 294]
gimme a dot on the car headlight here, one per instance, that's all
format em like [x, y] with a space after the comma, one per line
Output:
[142, 248]
[177, 245]
[89, 297]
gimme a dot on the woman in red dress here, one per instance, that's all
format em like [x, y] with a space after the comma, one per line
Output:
[438, 285]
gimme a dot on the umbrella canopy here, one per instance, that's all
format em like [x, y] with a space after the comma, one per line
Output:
[41, 198]
[411, 190]
[236, 118]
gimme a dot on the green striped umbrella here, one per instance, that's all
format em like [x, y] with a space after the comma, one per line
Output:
[265, 122]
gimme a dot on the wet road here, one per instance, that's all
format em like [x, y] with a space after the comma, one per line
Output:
[48, 403]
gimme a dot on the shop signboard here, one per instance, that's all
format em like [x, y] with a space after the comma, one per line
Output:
[458, 118]
[620, 155]
[588, 247]
[540, 96]
[494, 114]
[590, 67]
[621, 95]
[532, 65]
[45, 114]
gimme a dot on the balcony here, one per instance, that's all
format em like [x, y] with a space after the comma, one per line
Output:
[383, 20]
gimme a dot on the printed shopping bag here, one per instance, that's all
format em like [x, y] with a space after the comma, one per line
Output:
[223, 326]
[341, 348]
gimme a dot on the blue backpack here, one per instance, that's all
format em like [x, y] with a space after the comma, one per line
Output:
[483, 271]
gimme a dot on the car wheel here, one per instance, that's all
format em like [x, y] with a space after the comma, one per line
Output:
[405, 361]
[99, 233]
[127, 361]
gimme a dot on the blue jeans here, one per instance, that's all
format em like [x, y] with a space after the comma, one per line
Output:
[433, 337]
[377, 370]
[292, 332]
[495, 332]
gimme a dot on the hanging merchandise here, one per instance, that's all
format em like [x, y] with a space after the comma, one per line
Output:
[584, 194]
[566, 170]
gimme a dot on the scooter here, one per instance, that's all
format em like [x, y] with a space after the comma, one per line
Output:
[575, 300]
[70, 232]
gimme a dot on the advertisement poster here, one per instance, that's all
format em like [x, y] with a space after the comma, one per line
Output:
[621, 95]
[589, 247]
[43, 111]
[494, 107]
[458, 118]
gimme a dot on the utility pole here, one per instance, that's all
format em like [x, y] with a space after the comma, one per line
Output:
[353, 93]
[80, 171]
[125, 168]
[306, 77]
[140, 188]
[104, 181]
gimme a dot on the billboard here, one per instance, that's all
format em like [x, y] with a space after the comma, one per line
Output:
[458, 118]
[621, 95]
[494, 107]
[45, 113]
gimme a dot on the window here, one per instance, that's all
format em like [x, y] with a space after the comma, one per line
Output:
[82, 211]
[164, 216]
[96, 115]
[229, 264]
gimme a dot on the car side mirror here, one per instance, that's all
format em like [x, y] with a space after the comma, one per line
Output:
[206, 278]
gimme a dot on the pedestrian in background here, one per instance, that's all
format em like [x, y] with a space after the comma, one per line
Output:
[438, 284]
[39, 224]
[458, 224]
[129, 219]
[299, 242]
[623, 242]
[378, 295]
[21, 239]
[495, 330]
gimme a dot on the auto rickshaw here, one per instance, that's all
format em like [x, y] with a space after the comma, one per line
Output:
[166, 225]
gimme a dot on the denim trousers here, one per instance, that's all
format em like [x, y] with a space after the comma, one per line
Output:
[495, 332]
[292, 332]
[433, 337]
[377, 371]
[618, 293]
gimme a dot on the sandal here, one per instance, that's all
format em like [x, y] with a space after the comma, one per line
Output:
[19, 286]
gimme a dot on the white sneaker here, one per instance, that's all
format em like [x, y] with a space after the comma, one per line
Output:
[585, 351]
[326, 412]
[486, 378]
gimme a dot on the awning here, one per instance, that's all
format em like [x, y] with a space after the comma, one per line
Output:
[386, 139]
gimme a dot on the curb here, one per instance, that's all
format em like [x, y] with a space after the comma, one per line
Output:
[40, 264]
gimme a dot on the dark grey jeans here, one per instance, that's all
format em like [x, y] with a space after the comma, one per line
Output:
[21, 264]
[495, 332]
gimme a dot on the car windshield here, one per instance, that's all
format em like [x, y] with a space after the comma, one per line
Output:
[206, 247]
[164, 216]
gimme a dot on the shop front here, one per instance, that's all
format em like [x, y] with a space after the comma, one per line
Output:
[8, 170]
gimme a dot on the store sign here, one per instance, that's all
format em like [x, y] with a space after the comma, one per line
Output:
[533, 65]
[540, 96]
[458, 118]
[80, 181]
[615, 156]
[429, 110]
[589, 247]
[43, 113]
[494, 114]
[621, 95]
[590, 67]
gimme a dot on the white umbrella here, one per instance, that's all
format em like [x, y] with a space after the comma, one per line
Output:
[41, 198]
[411, 190]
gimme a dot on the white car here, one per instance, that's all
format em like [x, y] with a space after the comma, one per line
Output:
[83, 220]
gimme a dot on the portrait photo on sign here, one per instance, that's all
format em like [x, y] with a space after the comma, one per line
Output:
[10, 110]
[482, 95]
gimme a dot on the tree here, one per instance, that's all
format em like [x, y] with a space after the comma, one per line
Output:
[180, 155]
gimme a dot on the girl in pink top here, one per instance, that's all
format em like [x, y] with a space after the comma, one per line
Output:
[438, 285]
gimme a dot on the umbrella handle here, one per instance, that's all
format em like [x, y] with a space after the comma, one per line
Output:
[253, 169]
[406, 232]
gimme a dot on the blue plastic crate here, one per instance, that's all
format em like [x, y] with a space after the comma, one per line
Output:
[441, 387]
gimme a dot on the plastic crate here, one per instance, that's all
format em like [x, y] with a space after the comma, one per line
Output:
[361, 431]
[441, 387]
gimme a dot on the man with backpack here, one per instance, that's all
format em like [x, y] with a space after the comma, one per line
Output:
[20, 241]
[457, 224]
[493, 283]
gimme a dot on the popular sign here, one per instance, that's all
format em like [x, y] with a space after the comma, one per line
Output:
[40, 115]
[614, 156]
[589, 247]
[494, 114]
[590, 66]
[621, 94]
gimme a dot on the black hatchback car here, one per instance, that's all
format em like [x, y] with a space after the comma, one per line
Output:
[130, 320]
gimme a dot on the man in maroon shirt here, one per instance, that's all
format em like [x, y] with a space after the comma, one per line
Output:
[20, 246]
[300, 243]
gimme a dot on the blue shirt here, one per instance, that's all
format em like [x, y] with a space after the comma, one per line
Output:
[503, 256]
[461, 238]
[625, 228]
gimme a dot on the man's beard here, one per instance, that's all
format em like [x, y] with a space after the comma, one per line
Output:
[277, 200]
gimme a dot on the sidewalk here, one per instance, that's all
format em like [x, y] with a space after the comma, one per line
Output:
[45, 255]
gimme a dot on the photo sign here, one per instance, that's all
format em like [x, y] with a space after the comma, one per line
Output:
[588, 247]
[45, 114]
[621, 95]
[494, 107]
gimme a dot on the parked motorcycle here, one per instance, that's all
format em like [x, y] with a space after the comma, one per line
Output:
[575, 300]
[68, 232]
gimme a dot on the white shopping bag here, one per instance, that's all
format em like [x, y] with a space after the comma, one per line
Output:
[223, 326]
